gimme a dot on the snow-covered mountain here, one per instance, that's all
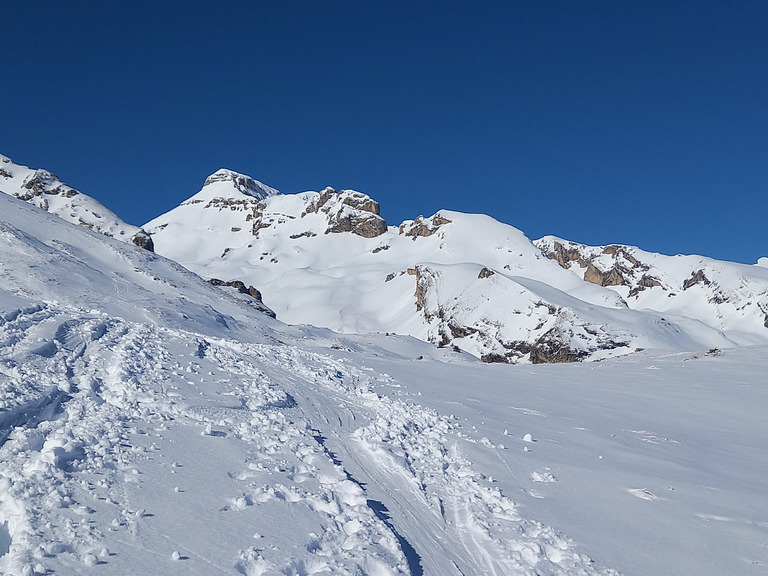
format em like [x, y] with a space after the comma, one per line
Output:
[148, 417]
[457, 280]
[729, 297]
[151, 422]
[46, 191]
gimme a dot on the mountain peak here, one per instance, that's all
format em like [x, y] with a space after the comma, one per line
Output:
[241, 182]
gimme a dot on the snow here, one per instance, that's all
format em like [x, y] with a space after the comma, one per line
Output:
[485, 287]
[731, 298]
[153, 423]
[46, 191]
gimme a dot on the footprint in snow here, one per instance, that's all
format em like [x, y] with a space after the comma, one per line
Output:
[642, 493]
[543, 477]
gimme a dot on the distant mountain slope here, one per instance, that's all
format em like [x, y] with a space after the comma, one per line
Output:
[46, 191]
[457, 280]
[729, 297]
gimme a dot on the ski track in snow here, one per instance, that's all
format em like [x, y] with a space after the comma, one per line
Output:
[89, 400]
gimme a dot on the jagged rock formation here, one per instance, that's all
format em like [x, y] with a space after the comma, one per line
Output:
[697, 277]
[348, 211]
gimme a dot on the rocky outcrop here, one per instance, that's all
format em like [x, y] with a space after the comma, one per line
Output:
[564, 256]
[43, 182]
[143, 240]
[624, 268]
[423, 227]
[241, 287]
[557, 337]
[612, 277]
[645, 281]
[43, 189]
[357, 222]
[620, 274]
[424, 281]
[547, 349]
[696, 278]
[348, 211]
[485, 273]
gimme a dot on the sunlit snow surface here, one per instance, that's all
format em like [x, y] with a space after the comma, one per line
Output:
[154, 424]
[482, 285]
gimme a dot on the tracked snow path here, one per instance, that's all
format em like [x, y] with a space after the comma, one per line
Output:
[132, 447]
[449, 518]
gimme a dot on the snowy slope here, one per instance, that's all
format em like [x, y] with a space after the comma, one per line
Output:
[46, 191]
[152, 423]
[149, 419]
[456, 280]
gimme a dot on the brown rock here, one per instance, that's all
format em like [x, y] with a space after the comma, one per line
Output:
[696, 278]
[486, 273]
[143, 240]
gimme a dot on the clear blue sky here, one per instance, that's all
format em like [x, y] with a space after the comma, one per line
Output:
[642, 122]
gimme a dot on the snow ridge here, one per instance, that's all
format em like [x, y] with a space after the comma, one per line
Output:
[44, 190]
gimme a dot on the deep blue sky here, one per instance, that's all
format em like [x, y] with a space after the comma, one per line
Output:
[642, 122]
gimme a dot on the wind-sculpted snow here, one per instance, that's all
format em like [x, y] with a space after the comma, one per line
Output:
[141, 445]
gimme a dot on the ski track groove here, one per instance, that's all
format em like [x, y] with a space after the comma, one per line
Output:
[373, 470]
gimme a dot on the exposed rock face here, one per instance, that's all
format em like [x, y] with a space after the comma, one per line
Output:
[43, 182]
[143, 240]
[556, 327]
[565, 256]
[646, 281]
[548, 349]
[349, 211]
[610, 266]
[241, 287]
[424, 281]
[612, 277]
[423, 227]
[696, 278]
[485, 273]
[617, 275]
[640, 276]
[43, 189]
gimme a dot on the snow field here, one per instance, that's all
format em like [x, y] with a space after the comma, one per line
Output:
[149, 418]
